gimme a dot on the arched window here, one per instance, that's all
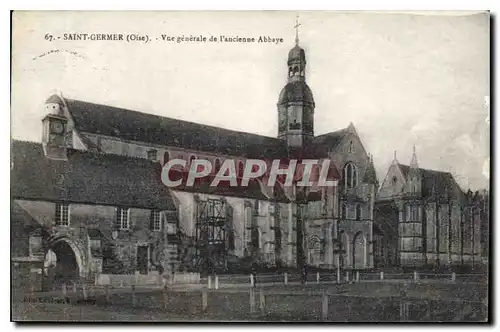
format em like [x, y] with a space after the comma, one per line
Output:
[255, 235]
[247, 231]
[350, 148]
[350, 176]
[166, 157]
[358, 211]
[343, 211]
[240, 169]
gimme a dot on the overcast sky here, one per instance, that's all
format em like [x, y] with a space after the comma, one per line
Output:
[402, 79]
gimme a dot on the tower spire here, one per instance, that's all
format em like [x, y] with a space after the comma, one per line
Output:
[414, 161]
[297, 24]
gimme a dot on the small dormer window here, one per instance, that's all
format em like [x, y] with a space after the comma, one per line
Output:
[152, 154]
[394, 180]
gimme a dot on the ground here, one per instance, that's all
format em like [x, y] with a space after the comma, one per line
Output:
[362, 302]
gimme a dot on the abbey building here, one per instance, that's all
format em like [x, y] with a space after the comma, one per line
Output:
[91, 194]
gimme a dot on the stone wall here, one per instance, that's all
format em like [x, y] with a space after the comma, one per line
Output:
[84, 217]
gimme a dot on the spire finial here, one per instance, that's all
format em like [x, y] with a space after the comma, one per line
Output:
[297, 24]
[414, 161]
[395, 155]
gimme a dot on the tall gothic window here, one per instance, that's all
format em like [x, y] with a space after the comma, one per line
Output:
[350, 175]
[358, 211]
[343, 211]
[240, 169]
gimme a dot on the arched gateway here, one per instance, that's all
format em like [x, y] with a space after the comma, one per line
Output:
[64, 261]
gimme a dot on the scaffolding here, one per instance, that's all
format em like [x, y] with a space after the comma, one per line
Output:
[212, 231]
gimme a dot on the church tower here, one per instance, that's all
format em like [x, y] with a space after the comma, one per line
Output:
[296, 103]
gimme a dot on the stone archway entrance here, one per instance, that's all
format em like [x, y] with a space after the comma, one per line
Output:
[62, 264]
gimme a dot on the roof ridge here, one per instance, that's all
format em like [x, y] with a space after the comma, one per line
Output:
[166, 117]
[332, 132]
[90, 152]
[426, 169]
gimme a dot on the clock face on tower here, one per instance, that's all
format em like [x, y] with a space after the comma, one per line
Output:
[56, 127]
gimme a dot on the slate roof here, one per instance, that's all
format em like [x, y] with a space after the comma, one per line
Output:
[154, 129]
[87, 177]
[19, 216]
[330, 140]
[435, 182]
[297, 53]
[297, 91]
[405, 169]
[137, 126]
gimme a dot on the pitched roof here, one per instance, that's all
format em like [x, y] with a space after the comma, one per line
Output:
[87, 178]
[435, 182]
[330, 140]
[405, 169]
[154, 129]
[440, 182]
[19, 216]
[202, 185]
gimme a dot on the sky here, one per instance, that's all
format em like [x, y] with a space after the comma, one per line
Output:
[402, 79]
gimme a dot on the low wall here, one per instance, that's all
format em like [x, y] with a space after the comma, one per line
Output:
[123, 280]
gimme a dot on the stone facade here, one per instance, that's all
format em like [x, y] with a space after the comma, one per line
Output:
[437, 223]
[99, 165]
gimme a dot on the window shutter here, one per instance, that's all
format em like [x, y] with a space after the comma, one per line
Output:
[118, 218]
[151, 220]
